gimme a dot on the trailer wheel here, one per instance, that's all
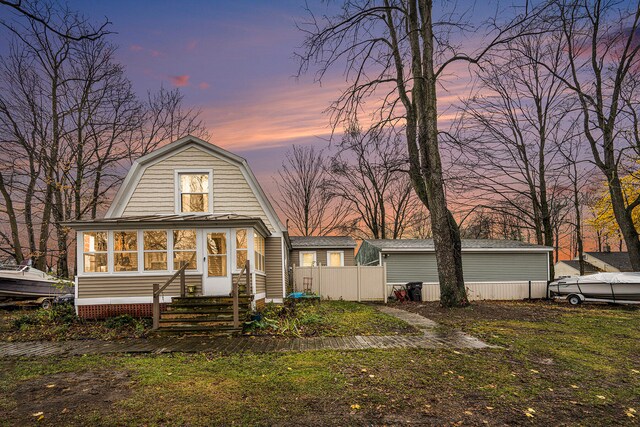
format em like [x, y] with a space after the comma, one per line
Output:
[574, 299]
[46, 304]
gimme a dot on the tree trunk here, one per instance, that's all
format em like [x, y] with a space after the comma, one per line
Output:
[625, 222]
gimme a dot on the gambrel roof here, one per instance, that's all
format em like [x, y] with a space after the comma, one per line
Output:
[138, 167]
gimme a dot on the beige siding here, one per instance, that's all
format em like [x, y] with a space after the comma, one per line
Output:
[131, 286]
[155, 192]
[273, 267]
[261, 283]
[490, 291]
[321, 256]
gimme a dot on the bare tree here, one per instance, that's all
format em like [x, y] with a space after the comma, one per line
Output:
[398, 51]
[304, 199]
[512, 130]
[41, 12]
[70, 123]
[601, 47]
[369, 175]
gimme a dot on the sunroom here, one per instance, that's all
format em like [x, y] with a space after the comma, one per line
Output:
[120, 258]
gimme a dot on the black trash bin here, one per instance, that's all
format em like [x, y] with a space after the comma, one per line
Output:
[414, 289]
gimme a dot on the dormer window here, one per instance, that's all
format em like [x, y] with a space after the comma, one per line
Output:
[194, 192]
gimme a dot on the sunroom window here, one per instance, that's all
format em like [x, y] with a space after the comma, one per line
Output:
[155, 250]
[194, 192]
[95, 251]
[335, 259]
[125, 251]
[241, 248]
[258, 248]
[184, 249]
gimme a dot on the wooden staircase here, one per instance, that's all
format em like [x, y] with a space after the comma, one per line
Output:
[220, 315]
[203, 314]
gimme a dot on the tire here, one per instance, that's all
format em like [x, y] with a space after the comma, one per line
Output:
[46, 304]
[574, 299]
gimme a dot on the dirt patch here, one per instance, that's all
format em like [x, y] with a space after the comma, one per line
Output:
[62, 397]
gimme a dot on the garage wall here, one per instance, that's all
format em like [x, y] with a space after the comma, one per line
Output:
[477, 267]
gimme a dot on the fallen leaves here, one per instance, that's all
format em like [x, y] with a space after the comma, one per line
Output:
[599, 396]
[529, 412]
[630, 412]
[355, 406]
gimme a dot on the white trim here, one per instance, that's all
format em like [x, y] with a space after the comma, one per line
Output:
[341, 258]
[261, 295]
[177, 204]
[285, 265]
[260, 273]
[315, 258]
[274, 300]
[121, 300]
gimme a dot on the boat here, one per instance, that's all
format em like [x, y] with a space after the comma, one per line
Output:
[23, 281]
[621, 288]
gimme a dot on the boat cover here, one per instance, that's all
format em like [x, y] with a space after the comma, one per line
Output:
[610, 278]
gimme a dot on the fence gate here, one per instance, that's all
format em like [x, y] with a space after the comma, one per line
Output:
[352, 283]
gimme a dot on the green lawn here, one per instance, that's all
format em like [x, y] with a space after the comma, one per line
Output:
[558, 366]
[329, 319]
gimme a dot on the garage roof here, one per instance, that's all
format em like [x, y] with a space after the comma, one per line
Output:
[408, 245]
[301, 242]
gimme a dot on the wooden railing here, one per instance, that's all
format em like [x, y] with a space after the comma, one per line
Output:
[157, 290]
[246, 270]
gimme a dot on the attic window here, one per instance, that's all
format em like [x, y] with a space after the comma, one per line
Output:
[194, 192]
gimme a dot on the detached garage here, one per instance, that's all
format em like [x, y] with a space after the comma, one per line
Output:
[493, 269]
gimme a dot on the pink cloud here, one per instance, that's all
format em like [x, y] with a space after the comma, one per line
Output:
[155, 53]
[204, 85]
[192, 45]
[135, 48]
[180, 81]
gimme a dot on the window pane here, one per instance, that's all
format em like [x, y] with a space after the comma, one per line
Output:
[241, 258]
[155, 261]
[95, 263]
[184, 239]
[95, 241]
[217, 265]
[125, 261]
[241, 239]
[216, 243]
[186, 256]
[335, 259]
[308, 259]
[155, 240]
[194, 183]
[125, 241]
[195, 203]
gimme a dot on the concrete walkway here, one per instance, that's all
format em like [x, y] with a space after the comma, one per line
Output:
[430, 338]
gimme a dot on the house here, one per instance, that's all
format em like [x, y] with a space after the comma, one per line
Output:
[189, 201]
[501, 265]
[595, 262]
[332, 251]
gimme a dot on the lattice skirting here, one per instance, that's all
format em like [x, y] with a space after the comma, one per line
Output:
[103, 311]
[260, 304]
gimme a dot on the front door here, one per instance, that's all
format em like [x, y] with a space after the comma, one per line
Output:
[216, 280]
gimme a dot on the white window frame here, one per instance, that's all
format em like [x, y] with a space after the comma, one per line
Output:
[199, 255]
[249, 248]
[341, 258]
[178, 194]
[113, 252]
[301, 257]
[169, 233]
[80, 246]
[254, 266]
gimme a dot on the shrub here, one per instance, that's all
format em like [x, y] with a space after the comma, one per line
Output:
[63, 314]
[120, 321]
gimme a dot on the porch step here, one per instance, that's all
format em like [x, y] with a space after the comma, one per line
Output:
[204, 308]
[203, 314]
[184, 301]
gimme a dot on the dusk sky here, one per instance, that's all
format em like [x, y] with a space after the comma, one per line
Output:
[235, 61]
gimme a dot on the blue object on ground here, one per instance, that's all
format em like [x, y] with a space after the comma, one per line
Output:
[296, 295]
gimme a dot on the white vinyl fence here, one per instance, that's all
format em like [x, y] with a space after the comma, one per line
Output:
[353, 283]
[492, 291]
